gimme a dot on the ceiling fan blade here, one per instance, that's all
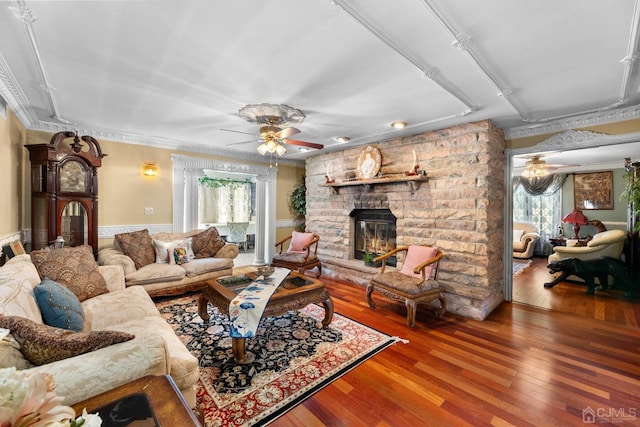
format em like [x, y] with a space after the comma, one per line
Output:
[286, 132]
[239, 131]
[303, 144]
[242, 142]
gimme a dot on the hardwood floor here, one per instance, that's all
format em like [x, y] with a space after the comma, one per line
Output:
[570, 297]
[521, 366]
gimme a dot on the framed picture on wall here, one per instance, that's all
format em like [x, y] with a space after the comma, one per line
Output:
[593, 190]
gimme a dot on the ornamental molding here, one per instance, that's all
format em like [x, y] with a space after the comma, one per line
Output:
[158, 142]
[109, 231]
[586, 120]
[14, 96]
[198, 163]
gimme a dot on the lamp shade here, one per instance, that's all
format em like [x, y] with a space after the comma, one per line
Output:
[577, 218]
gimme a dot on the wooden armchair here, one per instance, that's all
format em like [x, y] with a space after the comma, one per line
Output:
[415, 283]
[301, 255]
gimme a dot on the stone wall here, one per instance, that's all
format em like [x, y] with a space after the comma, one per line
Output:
[459, 208]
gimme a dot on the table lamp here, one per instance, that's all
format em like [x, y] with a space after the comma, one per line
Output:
[577, 218]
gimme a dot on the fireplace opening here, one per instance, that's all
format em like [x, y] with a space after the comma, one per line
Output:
[375, 233]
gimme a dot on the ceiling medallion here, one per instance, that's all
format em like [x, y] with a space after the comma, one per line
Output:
[271, 114]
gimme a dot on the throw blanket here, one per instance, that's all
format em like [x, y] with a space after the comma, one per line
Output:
[245, 310]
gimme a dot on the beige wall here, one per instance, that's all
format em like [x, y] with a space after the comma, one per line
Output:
[12, 160]
[124, 191]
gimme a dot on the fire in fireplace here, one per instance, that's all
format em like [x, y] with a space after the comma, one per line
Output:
[375, 233]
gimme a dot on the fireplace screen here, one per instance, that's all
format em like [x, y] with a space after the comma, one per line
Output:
[375, 233]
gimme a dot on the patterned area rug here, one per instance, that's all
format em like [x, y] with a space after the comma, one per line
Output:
[519, 265]
[295, 358]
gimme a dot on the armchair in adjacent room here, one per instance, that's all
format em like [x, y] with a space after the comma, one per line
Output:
[415, 283]
[301, 254]
[525, 238]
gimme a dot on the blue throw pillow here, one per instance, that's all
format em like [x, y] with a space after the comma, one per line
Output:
[59, 306]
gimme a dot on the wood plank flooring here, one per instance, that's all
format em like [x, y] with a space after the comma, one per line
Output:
[522, 366]
[570, 297]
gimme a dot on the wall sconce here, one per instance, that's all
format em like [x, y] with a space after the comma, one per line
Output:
[149, 169]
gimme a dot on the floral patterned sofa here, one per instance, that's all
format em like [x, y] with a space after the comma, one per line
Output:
[170, 263]
[121, 337]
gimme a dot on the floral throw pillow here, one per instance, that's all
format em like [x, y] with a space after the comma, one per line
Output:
[43, 344]
[207, 243]
[138, 246]
[74, 267]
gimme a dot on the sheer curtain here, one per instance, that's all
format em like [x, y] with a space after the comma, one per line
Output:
[539, 202]
[225, 203]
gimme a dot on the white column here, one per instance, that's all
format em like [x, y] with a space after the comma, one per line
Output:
[178, 196]
[270, 234]
[261, 209]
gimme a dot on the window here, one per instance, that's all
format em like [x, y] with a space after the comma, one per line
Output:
[223, 200]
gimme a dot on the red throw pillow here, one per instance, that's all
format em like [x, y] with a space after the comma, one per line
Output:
[416, 255]
[299, 240]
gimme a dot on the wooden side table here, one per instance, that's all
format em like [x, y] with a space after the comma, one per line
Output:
[166, 401]
[558, 241]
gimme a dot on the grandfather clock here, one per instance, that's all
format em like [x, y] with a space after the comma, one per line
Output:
[64, 190]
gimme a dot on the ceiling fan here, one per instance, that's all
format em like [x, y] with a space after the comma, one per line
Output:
[536, 167]
[272, 118]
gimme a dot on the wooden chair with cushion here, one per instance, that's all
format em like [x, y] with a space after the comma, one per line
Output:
[301, 255]
[415, 283]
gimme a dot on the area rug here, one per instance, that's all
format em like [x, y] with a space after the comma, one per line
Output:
[519, 265]
[295, 357]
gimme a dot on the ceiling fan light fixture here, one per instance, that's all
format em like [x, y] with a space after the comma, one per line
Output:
[399, 125]
[280, 150]
[535, 171]
[262, 149]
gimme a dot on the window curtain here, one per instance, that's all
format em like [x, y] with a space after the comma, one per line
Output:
[538, 201]
[225, 203]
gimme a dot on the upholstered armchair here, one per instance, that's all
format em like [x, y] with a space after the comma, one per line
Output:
[608, 243]
[301, 254]
[415, 283]
[525, 238]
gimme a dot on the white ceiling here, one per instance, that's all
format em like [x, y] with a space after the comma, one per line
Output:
[175, 73]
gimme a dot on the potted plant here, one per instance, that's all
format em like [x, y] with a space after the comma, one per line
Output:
[631, 194]
[368, 258]
[298, 204]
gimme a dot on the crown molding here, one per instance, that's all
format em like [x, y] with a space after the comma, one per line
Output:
[14, 96]
[159, 142]
[585, 120]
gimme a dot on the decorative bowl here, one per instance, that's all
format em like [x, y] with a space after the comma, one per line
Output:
[266, 271]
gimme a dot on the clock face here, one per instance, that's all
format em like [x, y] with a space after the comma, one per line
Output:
[369, 162]
[73, 177]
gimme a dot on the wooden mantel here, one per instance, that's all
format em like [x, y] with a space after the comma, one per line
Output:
[413, 181]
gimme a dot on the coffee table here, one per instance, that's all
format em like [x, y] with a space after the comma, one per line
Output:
[156, 397]
[295, 292]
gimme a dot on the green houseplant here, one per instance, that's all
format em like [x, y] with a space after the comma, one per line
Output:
[631, 195]
[298, 203]
[368, 259]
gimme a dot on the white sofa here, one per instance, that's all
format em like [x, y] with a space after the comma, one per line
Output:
[155, 350]
[160, 278]
[609, 243]
[525, 238]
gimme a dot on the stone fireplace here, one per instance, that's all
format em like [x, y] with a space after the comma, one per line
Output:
[457, 206]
